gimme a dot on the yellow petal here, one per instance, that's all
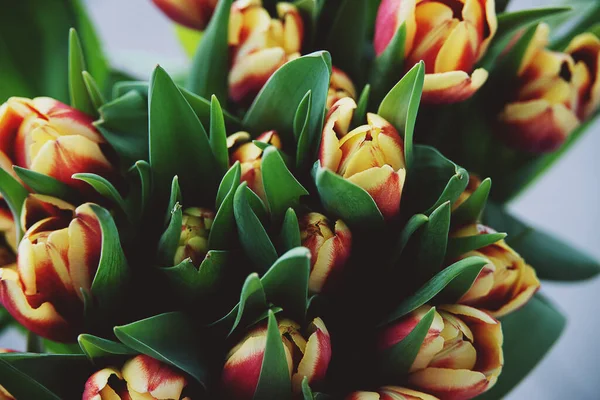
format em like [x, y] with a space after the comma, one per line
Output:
[452, 87]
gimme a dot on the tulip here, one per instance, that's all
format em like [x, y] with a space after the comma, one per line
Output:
[57, 260]
[329, 248]
[51, 138]
[141, 377]
[340, 86]
[260, 45]
[391, 393]
[193, 14]
[7, 227]
[4, 395]
[505, 283]
[305, 358]
[450, 36]
[370, 156]
[555, 92]
[250, 156]
[193, 241]
[461, 356]
[473, 184]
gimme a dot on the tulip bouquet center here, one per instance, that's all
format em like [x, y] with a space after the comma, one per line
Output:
[283, 221]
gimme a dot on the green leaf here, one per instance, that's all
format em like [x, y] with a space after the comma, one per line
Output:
[218, 135]
[411, 227]
[202, 108]
[156, 336]
[401, 105]
[113, 271]
[471, 210]
[286, 282]
[34, 343]
[307, 393]
[301, 131]
[103, 187]
[274, 380]
[124, 124]
[43, 376]
[451, 283]
[529, 333]
[397, 360]
[362, 106]
[143, 185]
[14, 194]
[344, 199]
[385, 71]
[96, 96]
[80, 98]
[222, 234]
[458, 246]
[346, 45]
[192, 283]
[290, 231]
[282, 189]
[310, 11]
[176, 130]
[44, 184]
[276, 104]
[96, 347]
[169, 240]
[252, 234]
[583, 18]
[550, 257]
[210, 67]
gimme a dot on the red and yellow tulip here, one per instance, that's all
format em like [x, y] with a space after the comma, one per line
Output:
[371, 156]
[391, 393]
[461, 356]
[141, 377]
[250, 157]
[340, 86]
[260, 45]
[51, 138]
[450, 36]
[4, 395]
[193, 14]
[305, 357]
[329, 247]
[193, 241]
[57, 259]
[505, 283]
[555, 92]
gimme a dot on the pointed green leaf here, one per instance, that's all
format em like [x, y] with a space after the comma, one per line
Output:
[458, 246]
[282, 189]
[176, 130]
[274, 380]
[362, 106]
[290, 231]
[14, 194]
[96, 96]
[411, 227]
[169, 240]
[286, 282]
[252, 234]
[344, 199]
[222, 234]
[301, 131]
[529, 334]
[387, 66]
[124, 87]
[95, 347]
[218, 135]
[44, 184]
[113, 271]
[397, 360]
[307, 393]
[103, 187]
[452, 283]
[80, 97]
[155, 337]
[276, 104]
[201, 107]
[210, 67]
[471, 210]
[142, 185]
[401, 105]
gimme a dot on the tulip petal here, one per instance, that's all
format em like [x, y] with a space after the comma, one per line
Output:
[38, 207]
[452, 87]
[242, 369]
[449, 384]
[84, 258]
[249, 74]
[458, 53]
[407, 394]
[363, 396]
[385, 187]
[523, 291]
[331, 258]
[193, 14]
[97, 387]
[317, 355]
[585, 49]
[147, 375]
[390, 142]
[537, 43]
[390, 15]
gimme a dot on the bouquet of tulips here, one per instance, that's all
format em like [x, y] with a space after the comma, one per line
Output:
[306, 213]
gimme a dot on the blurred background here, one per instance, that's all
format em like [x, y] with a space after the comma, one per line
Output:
[564, 202]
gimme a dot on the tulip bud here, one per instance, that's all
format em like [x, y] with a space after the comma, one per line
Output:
[329, 248]
[195, 228]
[4, 395]
[141, 377]
[552, 93]
[193, 14]
[370, 156]
[449, 36]
[250, 156]
[260, 45]
[473, 184]
[51, 138]
[505, 283]
[461, 356]
[340, 86]
[57, 259]
[391, 393]
[306, 358]
[585, 50]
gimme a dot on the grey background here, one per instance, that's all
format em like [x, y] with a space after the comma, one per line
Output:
[564, 202]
